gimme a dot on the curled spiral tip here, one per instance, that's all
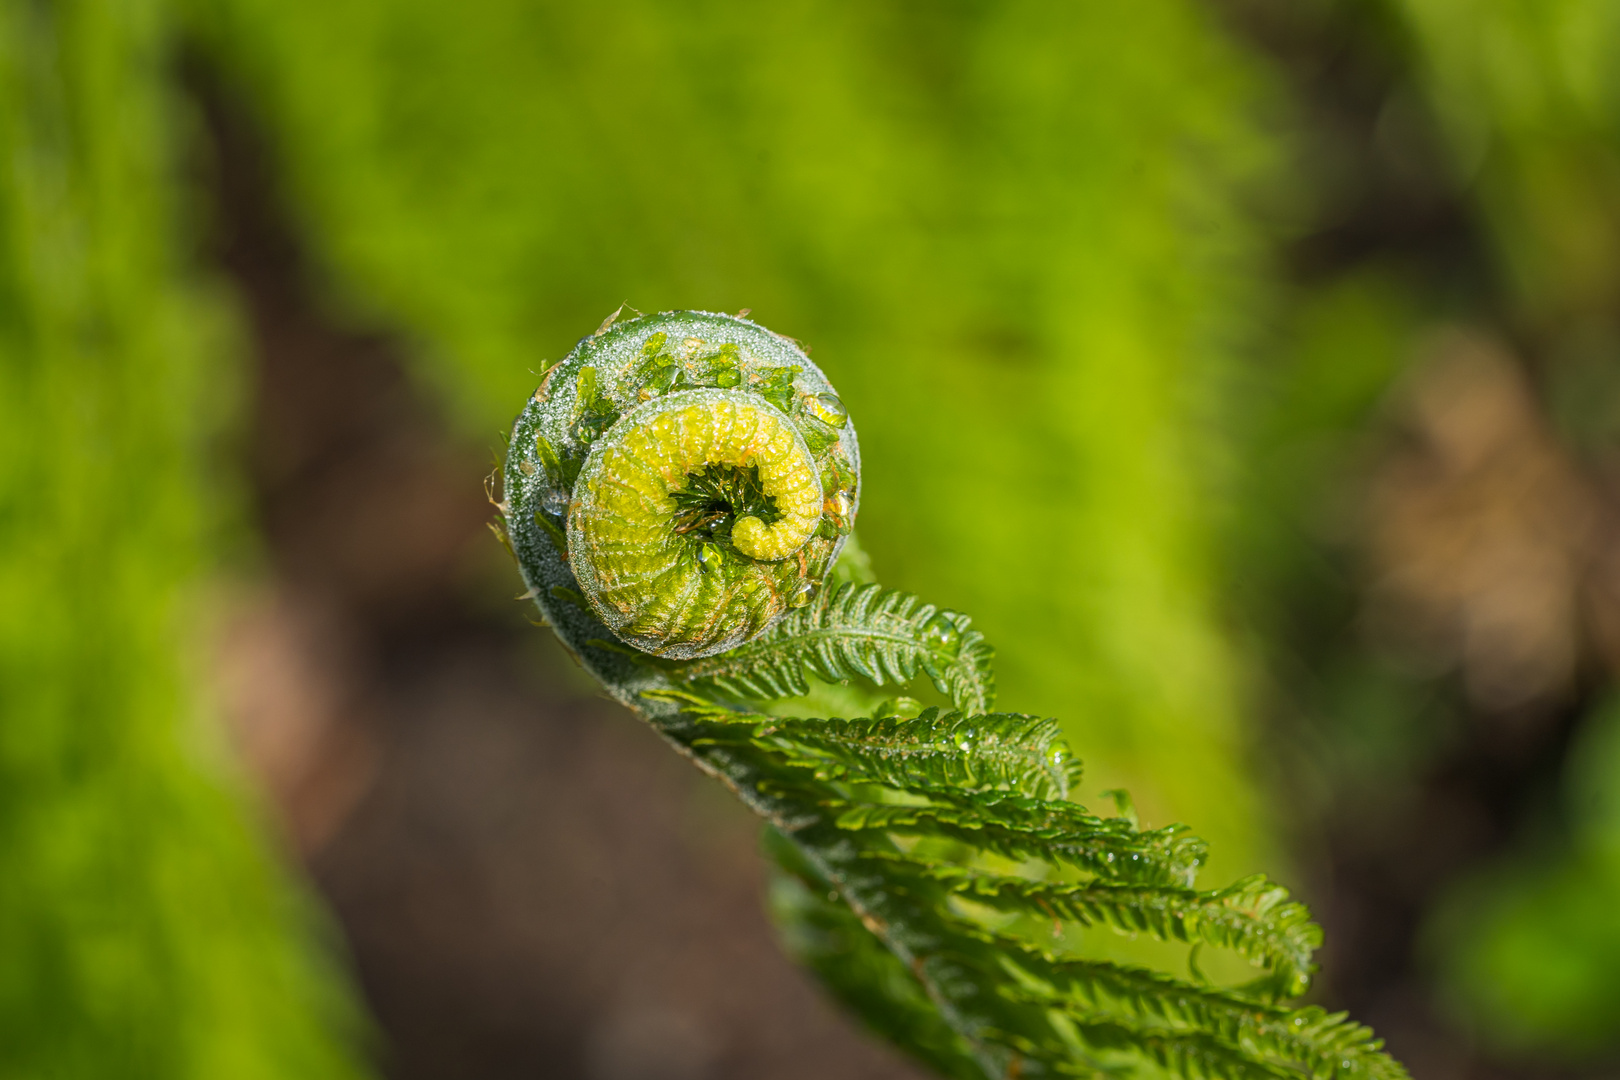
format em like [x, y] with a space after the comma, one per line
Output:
[693, 475]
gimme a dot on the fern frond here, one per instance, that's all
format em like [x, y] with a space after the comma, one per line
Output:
[852, 801]
[1057, 832]
[1254, 917]
[1291, 1042]
[1026, 822]
[854, 629]
[1090, 1018]
[824, 934]
[1010, 752]
[923, 858]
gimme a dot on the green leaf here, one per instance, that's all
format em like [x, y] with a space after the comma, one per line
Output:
[855, 629]
[1011, 752]
[1253, 917]
[1122, 1004]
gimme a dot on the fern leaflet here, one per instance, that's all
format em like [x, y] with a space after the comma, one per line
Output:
[856, 629]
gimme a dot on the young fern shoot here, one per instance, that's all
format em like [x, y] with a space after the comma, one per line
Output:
[677, 494]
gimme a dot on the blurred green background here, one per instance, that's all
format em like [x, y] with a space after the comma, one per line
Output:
[1248, 369]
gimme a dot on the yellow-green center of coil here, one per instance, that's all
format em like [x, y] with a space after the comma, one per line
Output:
[650, 583]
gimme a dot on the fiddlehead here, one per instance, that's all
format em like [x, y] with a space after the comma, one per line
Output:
[676, 516]
[697, 470]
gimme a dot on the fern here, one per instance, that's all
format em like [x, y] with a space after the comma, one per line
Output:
[1254, 918]
[854, 630]
[860, 810]
[1011, 752]
[929, 866]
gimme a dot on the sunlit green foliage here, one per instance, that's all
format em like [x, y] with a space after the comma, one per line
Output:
[144, 929]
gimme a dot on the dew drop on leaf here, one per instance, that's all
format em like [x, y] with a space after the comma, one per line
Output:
[840, 511]
[828, 409]
[900, 708]
[941, 633]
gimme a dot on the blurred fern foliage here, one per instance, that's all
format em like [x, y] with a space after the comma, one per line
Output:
[145, 928]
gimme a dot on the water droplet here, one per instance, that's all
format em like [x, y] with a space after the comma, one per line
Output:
[775, 385]
[554, 502]
[709, 557]
[828, 409]
[692, 345]
[840, 511]
[801, 594]
[837, 475]
[663, 379]
[899, 708]
[654, 342]
[940, 632]
[728, 377]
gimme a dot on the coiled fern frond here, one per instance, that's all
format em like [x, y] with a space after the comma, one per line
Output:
[930, 866]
